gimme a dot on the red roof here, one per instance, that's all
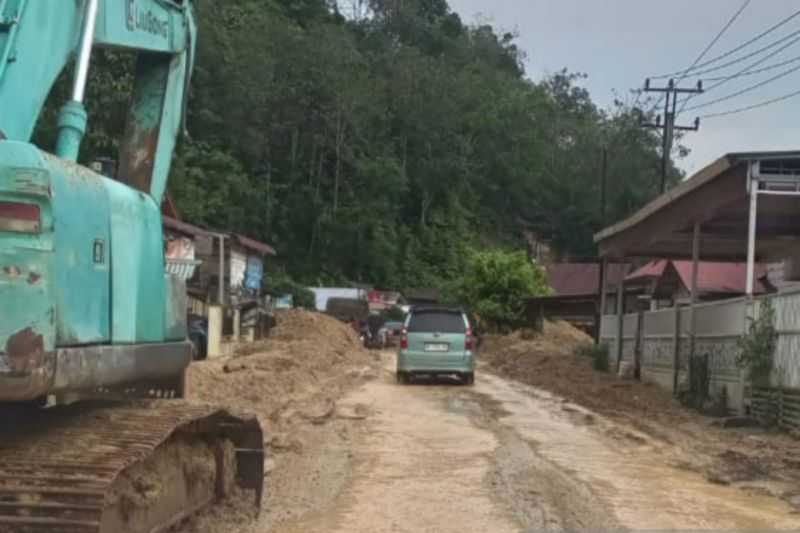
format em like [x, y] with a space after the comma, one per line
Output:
[712, 277]
[581, 279]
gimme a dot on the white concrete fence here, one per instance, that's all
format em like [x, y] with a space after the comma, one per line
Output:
[662, 342]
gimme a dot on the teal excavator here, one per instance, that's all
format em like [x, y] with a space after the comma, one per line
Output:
[87, 309]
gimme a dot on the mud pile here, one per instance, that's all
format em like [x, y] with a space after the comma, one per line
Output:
[306, 359]
[548, 360]
[304, 350]
[292, 381]
[728, 456]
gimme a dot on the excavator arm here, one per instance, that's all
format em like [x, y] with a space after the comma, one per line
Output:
[39, 38]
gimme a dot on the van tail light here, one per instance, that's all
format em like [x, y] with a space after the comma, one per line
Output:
[404, 340]
[468, 341]
[20, 218]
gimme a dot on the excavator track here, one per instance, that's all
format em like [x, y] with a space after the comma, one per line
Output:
[139, 467]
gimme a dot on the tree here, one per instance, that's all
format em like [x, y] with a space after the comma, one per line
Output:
[382, 148]
[496, 285]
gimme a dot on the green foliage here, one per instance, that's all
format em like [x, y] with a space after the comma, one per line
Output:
[598, 353]
[758, 345]
[496, 285]
[395, 314]
[279, 283]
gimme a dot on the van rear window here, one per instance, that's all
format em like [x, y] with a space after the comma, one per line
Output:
[437, 322]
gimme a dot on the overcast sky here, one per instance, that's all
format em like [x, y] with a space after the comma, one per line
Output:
[620, 42]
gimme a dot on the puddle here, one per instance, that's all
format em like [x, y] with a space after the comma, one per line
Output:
[630, 472]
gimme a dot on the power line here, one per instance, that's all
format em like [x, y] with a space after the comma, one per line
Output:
[730, 77]
[738, 48]
[746, 89]
[751, 54]
[715, 40]
[754, 106]
[706, 50]
[757, 71]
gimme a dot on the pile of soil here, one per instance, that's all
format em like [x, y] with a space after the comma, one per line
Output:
[549, 360]
[739, 456]
[292, 381]
[307, 356]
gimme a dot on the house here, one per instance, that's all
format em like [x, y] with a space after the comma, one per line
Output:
[180, 243]
[575, 294]
[323, 294]
[241, 261]
[668, 282]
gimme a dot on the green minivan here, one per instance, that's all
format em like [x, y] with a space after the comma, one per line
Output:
[436, 341]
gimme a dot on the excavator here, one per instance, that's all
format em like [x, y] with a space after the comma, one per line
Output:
[94, 434]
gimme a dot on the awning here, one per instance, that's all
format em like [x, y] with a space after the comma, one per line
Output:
[718, 199]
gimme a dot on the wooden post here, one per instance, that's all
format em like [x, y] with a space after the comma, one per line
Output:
[214, 331]
[751, 237]
[637, 353]
[221, 271]
[693, 295]
[620, 318]
[237, 325]
[676, 353]
[602, 302]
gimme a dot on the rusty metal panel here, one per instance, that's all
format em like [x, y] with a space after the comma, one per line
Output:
[90, 367]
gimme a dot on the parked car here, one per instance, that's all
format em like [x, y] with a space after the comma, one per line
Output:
[436, 341]
[394, 330]
[348, 309]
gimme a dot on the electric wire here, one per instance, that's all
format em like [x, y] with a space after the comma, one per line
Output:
[753, 106]
[738, 48]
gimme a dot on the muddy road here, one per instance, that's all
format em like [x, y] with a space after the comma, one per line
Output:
[499, 456]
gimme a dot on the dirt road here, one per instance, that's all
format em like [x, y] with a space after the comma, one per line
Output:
[499, 456]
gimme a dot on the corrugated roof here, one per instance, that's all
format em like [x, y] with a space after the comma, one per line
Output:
[701, 178]
[183, 227]
[581, 279]
[255, 245]
[712, 277]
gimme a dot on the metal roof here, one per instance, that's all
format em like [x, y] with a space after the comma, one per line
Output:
[252, 244]
[582, 279]
[183, 227]
[717, 198]
[712, 277]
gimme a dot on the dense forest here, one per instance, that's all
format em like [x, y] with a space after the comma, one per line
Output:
[382, 142]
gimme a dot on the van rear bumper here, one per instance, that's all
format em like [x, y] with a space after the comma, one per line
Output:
[426, 364]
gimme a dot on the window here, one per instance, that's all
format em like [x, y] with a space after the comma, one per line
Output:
[437, 321]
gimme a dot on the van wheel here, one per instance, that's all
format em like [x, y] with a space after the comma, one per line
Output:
[468, 378]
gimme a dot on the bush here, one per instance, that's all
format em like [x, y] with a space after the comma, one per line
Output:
[758, 345]
[496, 285]
[598, 353]
[280, 283]
[396, 314]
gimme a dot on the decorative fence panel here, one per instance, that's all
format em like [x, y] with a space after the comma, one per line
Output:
[665, 337]
[786, 368]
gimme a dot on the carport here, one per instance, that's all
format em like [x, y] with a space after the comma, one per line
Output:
[744, 206]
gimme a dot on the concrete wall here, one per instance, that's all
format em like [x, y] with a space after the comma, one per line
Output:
[665, 340]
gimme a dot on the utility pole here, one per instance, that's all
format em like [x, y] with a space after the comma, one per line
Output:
[668, 127]
[602, 263]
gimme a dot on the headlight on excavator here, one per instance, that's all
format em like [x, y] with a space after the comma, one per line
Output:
[19, 217]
